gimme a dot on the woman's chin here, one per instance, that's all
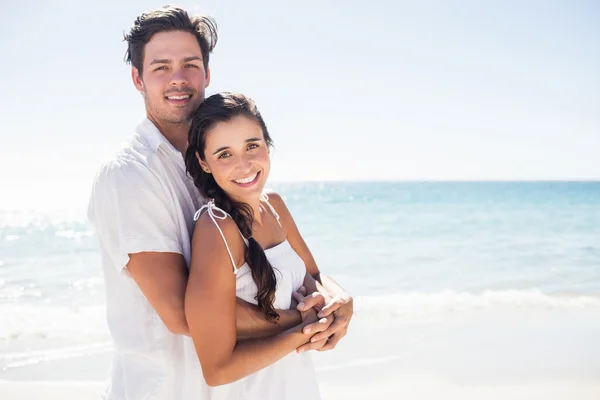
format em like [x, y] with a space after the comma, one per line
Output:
[246, 194]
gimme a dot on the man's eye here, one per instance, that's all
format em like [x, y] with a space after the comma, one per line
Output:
[161, 68]
[191, 66]
[252, 146]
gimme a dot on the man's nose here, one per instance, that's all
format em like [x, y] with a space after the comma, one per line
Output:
[179, 77]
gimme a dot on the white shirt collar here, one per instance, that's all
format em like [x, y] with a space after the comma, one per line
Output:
[150, 133]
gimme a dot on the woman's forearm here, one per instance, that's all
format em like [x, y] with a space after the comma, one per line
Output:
[252, 355]
[251, 321]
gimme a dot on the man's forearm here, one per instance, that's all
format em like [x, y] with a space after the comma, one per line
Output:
[251, 321]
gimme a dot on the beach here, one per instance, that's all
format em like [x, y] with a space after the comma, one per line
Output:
[407, 387]
[462, 291]
[458, 353]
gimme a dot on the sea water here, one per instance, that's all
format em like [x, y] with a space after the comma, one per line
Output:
[466, 278]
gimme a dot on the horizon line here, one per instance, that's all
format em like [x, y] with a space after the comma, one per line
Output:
[428, 180]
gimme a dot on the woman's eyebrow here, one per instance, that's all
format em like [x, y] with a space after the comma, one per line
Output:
[220, 149]
[254, 139]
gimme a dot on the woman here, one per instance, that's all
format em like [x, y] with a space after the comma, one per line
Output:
[245, 244]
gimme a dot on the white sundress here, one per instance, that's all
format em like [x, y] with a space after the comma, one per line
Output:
[292, 377]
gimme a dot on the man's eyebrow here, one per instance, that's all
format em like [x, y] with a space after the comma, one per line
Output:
[161, 61]
[167, 61]
[254, 139]
[194, 58]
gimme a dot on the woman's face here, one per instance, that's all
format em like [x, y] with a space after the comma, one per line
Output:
[237, 156]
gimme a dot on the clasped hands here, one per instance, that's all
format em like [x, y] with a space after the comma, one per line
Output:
[329, 318]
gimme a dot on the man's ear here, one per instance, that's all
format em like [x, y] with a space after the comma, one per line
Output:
[203, 165]
[137, 79]
[207, 77]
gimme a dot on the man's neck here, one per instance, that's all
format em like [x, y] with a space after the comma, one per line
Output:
[176, 134]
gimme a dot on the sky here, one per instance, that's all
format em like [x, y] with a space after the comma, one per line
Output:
[369, 90]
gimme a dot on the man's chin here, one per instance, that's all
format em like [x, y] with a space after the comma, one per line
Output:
[183, 118]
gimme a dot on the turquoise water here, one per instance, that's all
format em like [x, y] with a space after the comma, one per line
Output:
[391, 237]
[409, 250]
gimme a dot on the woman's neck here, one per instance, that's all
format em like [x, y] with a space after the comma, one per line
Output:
[254, 204]
[256, 214]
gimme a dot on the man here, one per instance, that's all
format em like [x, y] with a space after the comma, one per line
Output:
[142, 208]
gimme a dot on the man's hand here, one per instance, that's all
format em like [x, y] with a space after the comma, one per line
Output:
[341, 307]
[335, 319]
[312, 303]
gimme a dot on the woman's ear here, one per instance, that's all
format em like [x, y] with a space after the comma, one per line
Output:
[203, 165]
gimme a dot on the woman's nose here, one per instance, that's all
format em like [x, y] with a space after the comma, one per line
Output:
[244, 163]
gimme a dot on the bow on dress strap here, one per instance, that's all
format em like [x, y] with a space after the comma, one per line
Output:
[215, 213]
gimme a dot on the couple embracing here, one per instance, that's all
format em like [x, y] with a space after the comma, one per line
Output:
[211, 291]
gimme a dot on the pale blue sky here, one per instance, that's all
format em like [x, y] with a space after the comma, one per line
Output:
[350, 90]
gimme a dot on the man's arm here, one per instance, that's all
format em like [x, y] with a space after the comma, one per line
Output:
[132, 216]
[162, 278]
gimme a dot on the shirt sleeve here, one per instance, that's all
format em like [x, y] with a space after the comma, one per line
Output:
[132, 212]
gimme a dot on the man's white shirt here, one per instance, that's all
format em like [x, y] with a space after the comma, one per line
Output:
[142, 201]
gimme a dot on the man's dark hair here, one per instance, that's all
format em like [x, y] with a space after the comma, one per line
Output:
[167, 19]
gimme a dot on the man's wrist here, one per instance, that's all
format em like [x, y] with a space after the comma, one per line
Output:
[289, 318]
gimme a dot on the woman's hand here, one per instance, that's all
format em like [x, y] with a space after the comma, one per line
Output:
[309, 306]
[309, 316]
[341, 307]
[334, 319]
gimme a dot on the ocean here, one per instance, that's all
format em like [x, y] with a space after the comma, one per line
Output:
[466, 279]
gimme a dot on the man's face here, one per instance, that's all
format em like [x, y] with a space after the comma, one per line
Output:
[173, 77]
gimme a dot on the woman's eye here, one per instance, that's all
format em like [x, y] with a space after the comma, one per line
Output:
[252, 146]
[224, 155]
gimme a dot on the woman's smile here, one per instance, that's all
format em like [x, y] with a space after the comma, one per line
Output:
[247, 181]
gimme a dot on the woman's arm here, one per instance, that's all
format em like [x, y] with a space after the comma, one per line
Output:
[338, 301]
[294, 237]
[251, 321]
[210, 309]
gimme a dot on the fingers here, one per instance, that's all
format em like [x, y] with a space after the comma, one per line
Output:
[331, 343]
[335, 328]
[323, 344]
[313, 300]
[298, 297]
[312, 346]
[302, 290]
[339, 310]
[332, 306]
[299, 294]
[319, 326]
